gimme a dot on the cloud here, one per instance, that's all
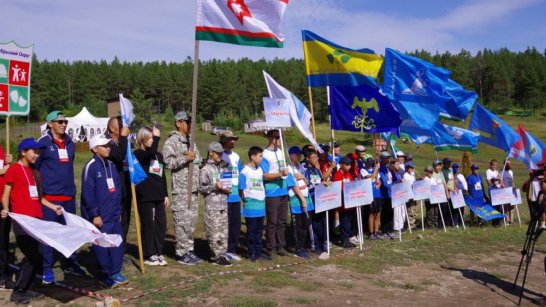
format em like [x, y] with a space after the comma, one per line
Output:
[140, 30]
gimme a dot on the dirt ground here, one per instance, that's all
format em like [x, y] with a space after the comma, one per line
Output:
[459, 281]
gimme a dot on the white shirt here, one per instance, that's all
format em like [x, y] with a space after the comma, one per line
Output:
[461, 182]
[254, 186]
[301, 183]
[409, 177]
[490, 174]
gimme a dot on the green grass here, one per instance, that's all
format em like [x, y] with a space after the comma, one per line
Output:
[250, 301]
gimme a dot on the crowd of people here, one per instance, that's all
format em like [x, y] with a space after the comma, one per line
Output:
[266, 191]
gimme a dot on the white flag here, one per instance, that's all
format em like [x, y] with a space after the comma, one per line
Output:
[301, 117]
[65, 238]
[127, 115]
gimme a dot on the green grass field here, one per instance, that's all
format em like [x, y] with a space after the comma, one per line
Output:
[437, 247]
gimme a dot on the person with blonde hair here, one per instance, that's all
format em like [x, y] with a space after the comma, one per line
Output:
[466, 163]
[152, 196]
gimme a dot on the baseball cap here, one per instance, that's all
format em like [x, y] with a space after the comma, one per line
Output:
[446, 161]
[29, 143]
[360, 148]
[384, 154]
[474, 167]
[429, 169]
[346, 160]
[54, 115]
[336, 144]
[294, 150]
[400, 154]
[436, 162]
[409, 157]
[409, 165]
[98, 140]
[216, 147]
[324, 147]
[182, 115]
[455, 167]
[369, 160]
[227, 135]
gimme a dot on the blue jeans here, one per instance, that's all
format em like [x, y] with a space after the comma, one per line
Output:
[345, 221]
[254, 232]
[234, 226]
[49, 255]
[110, 259]
[319, 231]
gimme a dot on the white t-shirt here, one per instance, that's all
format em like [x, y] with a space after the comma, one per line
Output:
[254, 186]
[409, 177]
[461, 182]
[232, 159]
[301, 183]
[490, 174]
[276, 160]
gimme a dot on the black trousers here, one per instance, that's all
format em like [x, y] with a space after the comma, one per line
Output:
[276, 211]
[5, 227]
[153, 227]
[302, 229]
[126, 204]
[387, 216]
[234, 226]
[32, 262]
[345, 221]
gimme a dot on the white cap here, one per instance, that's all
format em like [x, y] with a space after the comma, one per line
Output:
[360, 148]
[400, 154]
[98, 140]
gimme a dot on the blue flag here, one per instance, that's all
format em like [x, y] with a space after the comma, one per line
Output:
[529, 149]
[482, 209]
[362, 109]
[492, 129]
[416, 88]
[442, 136]
[136, 173]
[460, 101]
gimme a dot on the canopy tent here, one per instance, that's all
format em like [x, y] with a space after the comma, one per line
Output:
[83, 126]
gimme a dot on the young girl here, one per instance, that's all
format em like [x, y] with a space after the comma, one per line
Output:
[152, 196]
[346, 215]
[21, 192]
[214, 184]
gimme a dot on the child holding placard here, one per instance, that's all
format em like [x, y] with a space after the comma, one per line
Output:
[314, 177]
[346, 215]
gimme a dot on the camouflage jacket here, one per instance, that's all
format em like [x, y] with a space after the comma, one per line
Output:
[210, 174]
[174, 153]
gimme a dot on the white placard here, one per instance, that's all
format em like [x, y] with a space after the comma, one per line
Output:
[438, 194]
[400, 193]
[421, 189]
[277, 112]
[517, 198]
[457, 200]
[501, 196]
[327, 198]
[357, 193]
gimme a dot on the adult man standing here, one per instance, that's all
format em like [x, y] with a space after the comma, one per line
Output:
[277, 179]
[228, 140]
[56, 167]
[451, 187]
[387, 214]
[118, 154]
[177, 156]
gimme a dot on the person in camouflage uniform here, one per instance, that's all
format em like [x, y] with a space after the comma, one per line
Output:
[177, 158]
[215, 185]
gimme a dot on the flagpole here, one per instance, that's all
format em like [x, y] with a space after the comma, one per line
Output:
[137, 224]
[312, 112]
[193, 118]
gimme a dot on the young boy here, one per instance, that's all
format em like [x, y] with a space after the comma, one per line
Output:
[215, 188]
[101, 205]
[300, 202]
[346, 215]
[314, 177]
[252, 192]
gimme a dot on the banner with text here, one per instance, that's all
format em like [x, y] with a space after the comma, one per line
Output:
[15, 66]
[327, 198]
[502, 196]
[401, 193]
[357, 193]
[421, 190]
[438, 194]
[277, 112]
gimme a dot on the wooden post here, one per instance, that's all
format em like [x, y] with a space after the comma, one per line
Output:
[193, 118]
[137, 224]
[7, 135]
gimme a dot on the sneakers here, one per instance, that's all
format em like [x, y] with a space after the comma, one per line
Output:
[48, 277]
[6, 283]
[301, 253]
[74, 269]
[222, 261]
[281, 252]
[120, 279]
[354, 240]
[542, 225]
[110, 283]
[161, 260]
[19, 297]
[187, 259]
[252, 256]
[195, 257]
[152, 260]
[34, 294]
[232, 257]
[348, 244]
[373, 237]
[262, 256]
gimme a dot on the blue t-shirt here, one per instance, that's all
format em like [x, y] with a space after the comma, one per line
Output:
[475, 186]
[235, 167]
[277, 187]
[386, 181]
[252, 184]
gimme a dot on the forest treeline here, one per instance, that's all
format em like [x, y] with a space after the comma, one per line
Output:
[230, 91]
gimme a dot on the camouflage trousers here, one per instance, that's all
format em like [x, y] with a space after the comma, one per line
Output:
[184, 220]
[216, 227]
[412, 213]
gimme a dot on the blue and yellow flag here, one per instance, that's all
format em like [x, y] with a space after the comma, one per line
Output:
[330, 64]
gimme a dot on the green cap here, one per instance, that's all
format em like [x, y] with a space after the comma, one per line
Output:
[54, 115]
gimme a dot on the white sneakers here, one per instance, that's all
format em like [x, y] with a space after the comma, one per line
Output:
[232, 257]
[155, 260]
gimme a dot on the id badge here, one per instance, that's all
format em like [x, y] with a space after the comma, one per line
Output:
[156, 168]
[33, 192]
[1, 164]
[478, 186]
[63, 155]
[315, 179]
[235, 176]
[111, 186]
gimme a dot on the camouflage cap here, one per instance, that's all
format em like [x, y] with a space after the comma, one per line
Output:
[216, 147]
[182, 115]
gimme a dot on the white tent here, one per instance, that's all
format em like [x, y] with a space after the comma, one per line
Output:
[83, 126]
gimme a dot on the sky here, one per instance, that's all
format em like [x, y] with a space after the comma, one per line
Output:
[143, 30]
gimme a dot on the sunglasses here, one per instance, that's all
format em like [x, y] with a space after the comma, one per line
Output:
[61, 122]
